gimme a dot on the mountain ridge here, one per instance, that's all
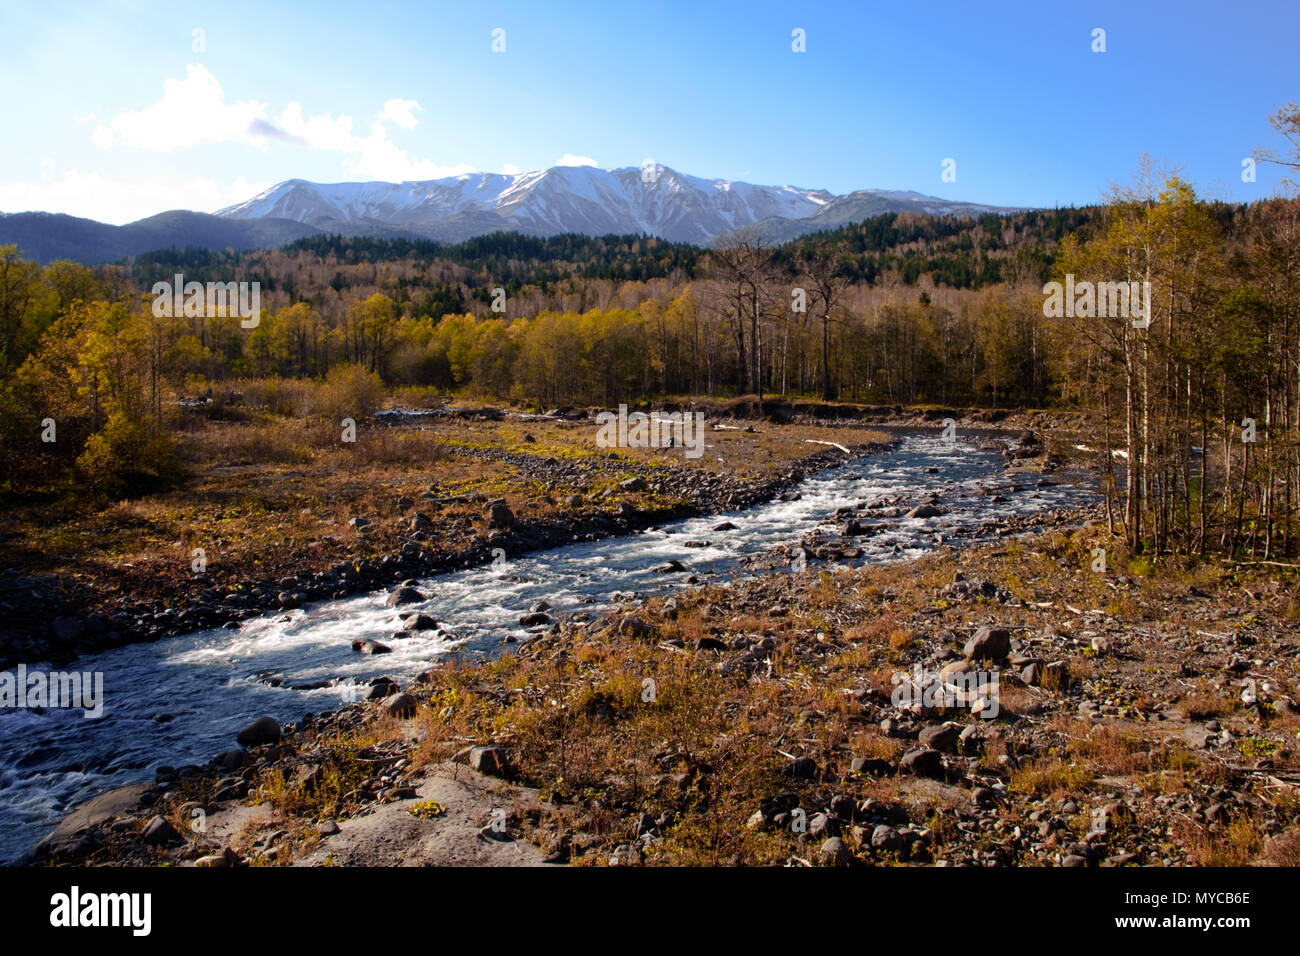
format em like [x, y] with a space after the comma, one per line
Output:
[653, 200]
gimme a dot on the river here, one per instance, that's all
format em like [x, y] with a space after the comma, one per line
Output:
[182, 700]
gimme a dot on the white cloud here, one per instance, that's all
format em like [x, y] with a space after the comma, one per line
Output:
[510, 169]
[325, 132]
[568, 159]
[401, 112]
[380, 158]
[194, 111]
[119, 201]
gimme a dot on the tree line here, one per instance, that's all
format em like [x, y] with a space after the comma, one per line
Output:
[1197, 401]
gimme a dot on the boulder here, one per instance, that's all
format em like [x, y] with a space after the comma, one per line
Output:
[492, 759]
[834, 853]
[499, 516]
[925, 511]
[886, 839]
[925, 762]
[159, 832]
[870, 765]
[404, 595]
[988, 643]
[941, 737]
[632, 626]
[264, 730]
[400, 705]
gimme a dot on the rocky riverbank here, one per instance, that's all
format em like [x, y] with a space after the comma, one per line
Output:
[1004, 704]
[49, 618]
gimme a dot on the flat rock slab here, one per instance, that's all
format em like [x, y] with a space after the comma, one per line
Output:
[124, 801]
[391, 836]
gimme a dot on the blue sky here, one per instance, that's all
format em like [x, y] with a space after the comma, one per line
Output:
[111, 112]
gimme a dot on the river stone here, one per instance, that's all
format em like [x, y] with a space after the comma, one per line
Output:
[923, 763]
[264, 730]
[403, 595]
[419, 622]
[400, 705]
[992, 643]
[887, 839]
[500, 517]
[158, 832]
[367, 646]
[534, 619]
[949, 671]
[631, 626]
[872, 765]
[382, 687]
[834, 853]
[925, 511]
[492, 759]
[941, 737]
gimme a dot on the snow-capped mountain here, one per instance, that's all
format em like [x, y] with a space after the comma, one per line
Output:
[655, 200]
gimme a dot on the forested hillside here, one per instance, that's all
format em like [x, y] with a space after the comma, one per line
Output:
[898, 309]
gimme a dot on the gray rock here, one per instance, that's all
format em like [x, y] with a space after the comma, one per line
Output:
[492, 759]
[158, 832]
[923, 763]
[991, 643]
[887, 839]
[404, 595]
[871, 765]
[925, 511]
[834, 853]
[632, 626]
[941, 737]
[264, 730]
[400, 705]
[500, 517]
